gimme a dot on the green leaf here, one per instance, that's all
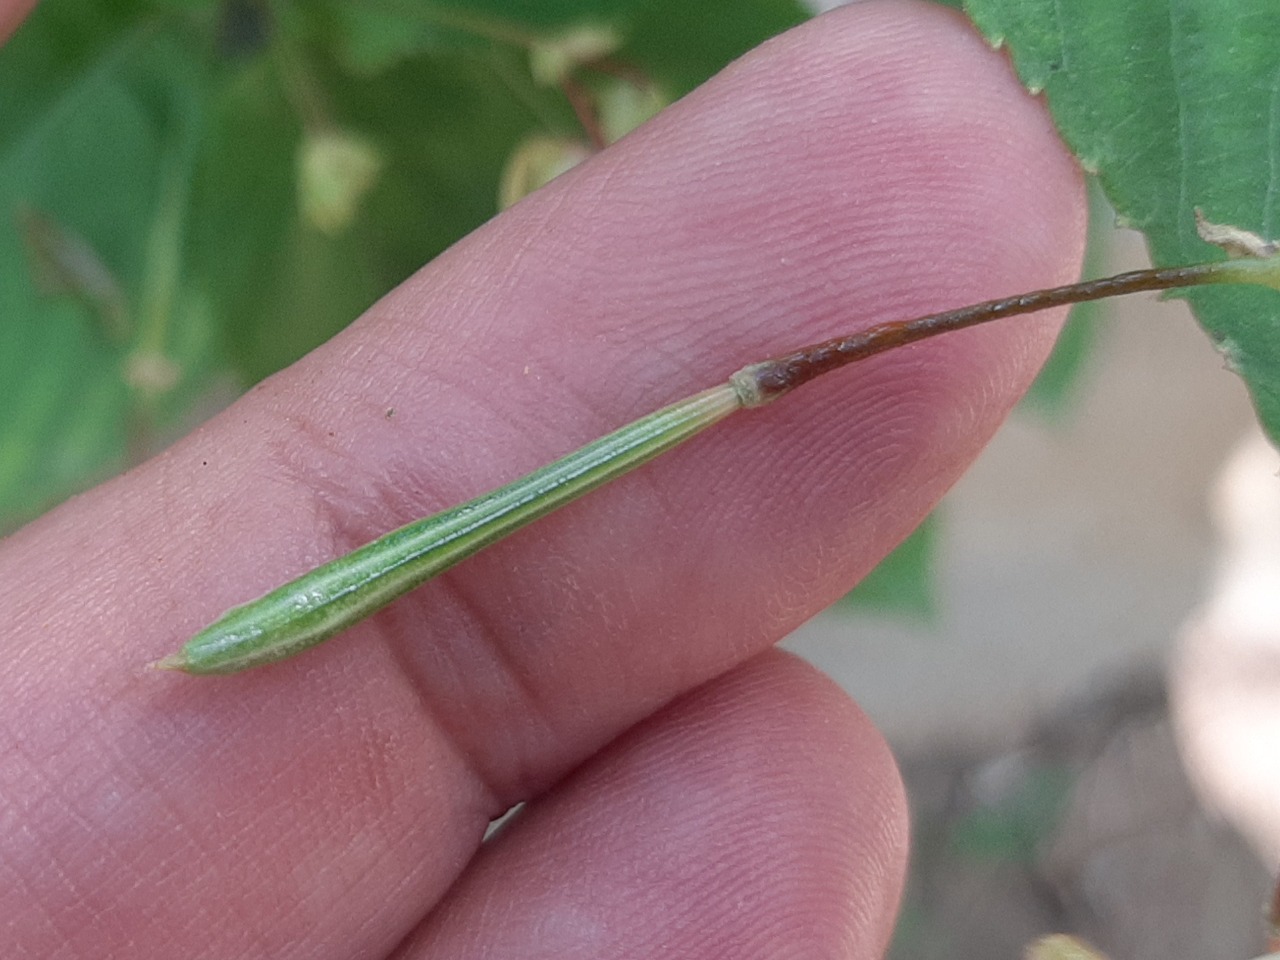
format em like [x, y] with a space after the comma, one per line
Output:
[367, 39]
[440, 124]
[443, 162]
[681, 44]
[903, 583]
[317, 284]
[1174, 104]
[78, 400]
[538, 14]
[54, 55]
[243, 204]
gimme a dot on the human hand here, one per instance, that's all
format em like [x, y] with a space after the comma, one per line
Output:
[690, 794]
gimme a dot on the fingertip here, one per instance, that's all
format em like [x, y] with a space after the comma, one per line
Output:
[841, 773]
[759, 816]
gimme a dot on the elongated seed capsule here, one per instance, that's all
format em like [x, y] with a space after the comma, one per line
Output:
[344, 591]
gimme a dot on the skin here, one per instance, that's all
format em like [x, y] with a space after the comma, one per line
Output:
[11, 14]
[691, 793]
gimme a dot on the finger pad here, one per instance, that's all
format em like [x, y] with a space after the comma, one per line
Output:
[759, 816]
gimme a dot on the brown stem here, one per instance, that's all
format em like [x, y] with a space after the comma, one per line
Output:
[584, 109]
[762, 382]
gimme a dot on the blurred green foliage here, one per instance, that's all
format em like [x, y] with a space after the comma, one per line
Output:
[199, 191]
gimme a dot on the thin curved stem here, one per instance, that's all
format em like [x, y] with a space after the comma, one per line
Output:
[344, 591]
[766, 381]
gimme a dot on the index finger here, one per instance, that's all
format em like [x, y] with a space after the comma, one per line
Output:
[877, 163]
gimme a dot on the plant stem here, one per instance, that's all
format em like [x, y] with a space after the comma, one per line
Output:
[764, 382]
[344, 591]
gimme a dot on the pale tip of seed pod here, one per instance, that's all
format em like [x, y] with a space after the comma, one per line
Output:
[174, 661]
[746, 386]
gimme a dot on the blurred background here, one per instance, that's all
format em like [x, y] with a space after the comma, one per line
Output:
[1072, 660]
[1029, 704]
